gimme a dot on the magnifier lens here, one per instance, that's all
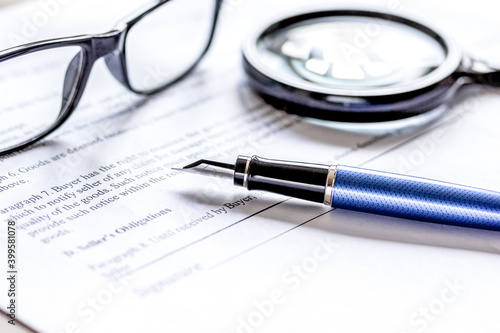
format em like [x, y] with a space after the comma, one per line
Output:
[350, 52]
[352, 65]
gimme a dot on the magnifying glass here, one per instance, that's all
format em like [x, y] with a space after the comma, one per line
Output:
[358, 66]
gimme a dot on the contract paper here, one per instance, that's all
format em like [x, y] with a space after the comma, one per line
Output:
[111, 239]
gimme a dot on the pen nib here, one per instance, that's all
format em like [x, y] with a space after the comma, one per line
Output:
[209, 168]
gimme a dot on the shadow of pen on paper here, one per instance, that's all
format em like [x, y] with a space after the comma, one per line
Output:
[369, 226]
[412, 232]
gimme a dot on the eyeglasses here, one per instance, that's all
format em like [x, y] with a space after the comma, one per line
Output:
[41, 83]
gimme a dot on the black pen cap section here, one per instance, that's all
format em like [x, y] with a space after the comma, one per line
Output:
[301, 180]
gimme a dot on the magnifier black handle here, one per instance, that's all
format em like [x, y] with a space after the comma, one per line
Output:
[480, 72]
[492, 79]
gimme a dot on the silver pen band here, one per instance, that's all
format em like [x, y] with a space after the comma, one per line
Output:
[245, 175]
[330, 183]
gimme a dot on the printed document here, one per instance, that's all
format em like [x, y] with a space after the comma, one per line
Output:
[110, 239]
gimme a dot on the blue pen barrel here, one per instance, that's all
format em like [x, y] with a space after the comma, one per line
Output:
[415, 198]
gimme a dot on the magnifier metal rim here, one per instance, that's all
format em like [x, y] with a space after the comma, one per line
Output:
[447, 67]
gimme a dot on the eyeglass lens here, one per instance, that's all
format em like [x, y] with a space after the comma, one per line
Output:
[167, 42]
[33, 90]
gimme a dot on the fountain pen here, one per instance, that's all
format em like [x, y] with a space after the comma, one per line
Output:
[363, 190]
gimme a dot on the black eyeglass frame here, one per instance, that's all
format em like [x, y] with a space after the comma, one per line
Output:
[111, 46]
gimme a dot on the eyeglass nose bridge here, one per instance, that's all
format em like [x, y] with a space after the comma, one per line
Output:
[78, 71]
[105, 44]
[110, 47]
